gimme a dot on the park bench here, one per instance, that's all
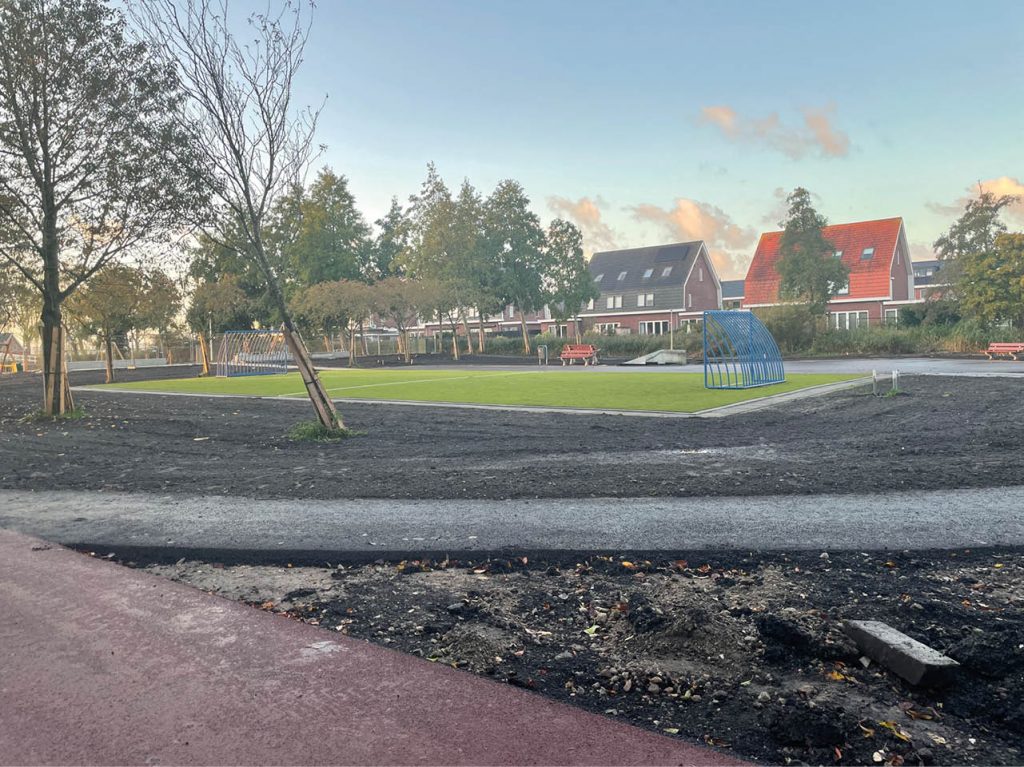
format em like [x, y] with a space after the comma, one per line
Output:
[573, 352]
[1004, 350]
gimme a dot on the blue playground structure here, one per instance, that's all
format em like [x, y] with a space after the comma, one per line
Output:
[739, 352]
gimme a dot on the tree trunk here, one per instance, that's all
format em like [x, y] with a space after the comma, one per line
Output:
[576, 327]
[108, 344]
[352, 346]
[526, 336]
[322, 403]
[455, 336]
[480, 329]
[469, 335]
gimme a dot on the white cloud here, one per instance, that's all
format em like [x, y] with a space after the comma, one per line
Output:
[586, 214]
[999, 186]
[728, 243]
[817, 135]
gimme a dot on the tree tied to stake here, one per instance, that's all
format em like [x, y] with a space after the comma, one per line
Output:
[254, 143]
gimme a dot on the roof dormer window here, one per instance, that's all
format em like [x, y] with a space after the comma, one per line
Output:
[666, 271]
[837, 254]
[648, 273]
[867, 254]
[599, 277]
[622, 276]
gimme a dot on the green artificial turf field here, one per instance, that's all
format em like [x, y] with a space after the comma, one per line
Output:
[584, 388]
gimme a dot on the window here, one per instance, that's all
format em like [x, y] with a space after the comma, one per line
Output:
[648, 273]
[645, 299]
[892, 316]
[622, 276]
[511, 311]
[607, 328]
[618, 302]
[560, 331]
[867, 254]
[613, 302]
[654, 328]
[599, 277]
[837, 254]
[590, 305]
[849, 320]
[689, 300]
[666, 271]
[700, 274]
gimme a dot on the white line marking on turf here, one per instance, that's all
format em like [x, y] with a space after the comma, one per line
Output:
[414, 381]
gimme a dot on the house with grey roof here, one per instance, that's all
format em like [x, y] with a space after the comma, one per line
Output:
[650, 290]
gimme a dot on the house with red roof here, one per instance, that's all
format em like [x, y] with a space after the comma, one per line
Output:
[881, 273]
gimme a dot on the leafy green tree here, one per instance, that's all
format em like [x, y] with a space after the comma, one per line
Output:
[810, 273]
[392, 240]
[331, 238]
[569, 282]
[515, 243]
[93, 163]
[991, 282]
[120, 300]
[400, 301]
[220, 305]
[970, 242]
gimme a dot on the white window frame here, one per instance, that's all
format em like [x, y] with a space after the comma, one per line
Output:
[666, 271]
[891, 316]
[609, 302]
[700, 274]
[841, 320]
[590, 305]
[618, 302]
[645, 299]
[653, 328]
[648, 273]
[622, 275]
[599, 277]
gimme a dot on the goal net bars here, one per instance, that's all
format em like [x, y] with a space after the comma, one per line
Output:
[252, 353]
[739, 352]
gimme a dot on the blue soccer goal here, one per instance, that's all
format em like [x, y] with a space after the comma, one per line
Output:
[739, 352]
[252, 353]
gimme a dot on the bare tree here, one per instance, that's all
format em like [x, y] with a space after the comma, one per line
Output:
[255, 143]
[92, 166]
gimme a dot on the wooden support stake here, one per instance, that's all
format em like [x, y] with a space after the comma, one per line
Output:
[322, 403]
[204, 349]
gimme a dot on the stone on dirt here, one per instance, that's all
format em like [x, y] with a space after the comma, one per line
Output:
[914, 661]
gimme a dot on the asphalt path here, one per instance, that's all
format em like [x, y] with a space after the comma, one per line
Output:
[171, 526]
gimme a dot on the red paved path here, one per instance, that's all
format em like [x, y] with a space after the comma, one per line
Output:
[101, 664]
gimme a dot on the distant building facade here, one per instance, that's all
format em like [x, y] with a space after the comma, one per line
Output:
[881, 276]
[648, 291]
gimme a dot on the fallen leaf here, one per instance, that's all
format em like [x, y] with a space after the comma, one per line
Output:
[895, 730]
[672, 730]
[590, 631]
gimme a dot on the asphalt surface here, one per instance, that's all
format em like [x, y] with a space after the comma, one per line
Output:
[360, 529]
[103, 664]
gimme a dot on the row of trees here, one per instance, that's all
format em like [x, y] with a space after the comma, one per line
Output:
[464, 251]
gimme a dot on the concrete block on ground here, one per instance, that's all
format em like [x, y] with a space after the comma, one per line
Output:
[915, 662]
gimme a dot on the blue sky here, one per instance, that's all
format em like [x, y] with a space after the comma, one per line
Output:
[652, 122]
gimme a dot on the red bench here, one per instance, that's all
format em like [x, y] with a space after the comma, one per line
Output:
[573, 352]
[1004, 350]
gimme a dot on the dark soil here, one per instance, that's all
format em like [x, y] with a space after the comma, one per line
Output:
[740, 651]
[944, 433]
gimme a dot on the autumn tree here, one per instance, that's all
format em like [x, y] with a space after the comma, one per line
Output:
[219, 306]
[569, 281]
[400, 301]
[255, 145]
[810, 272]
[515, 244]
[93, 164]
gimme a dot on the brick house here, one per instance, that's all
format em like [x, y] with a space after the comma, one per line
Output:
[649, 290]
[881, 274]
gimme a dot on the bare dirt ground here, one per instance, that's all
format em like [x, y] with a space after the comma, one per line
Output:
[943, 433]
[743, 652]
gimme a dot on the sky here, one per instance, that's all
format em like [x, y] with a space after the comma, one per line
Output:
[652, 122]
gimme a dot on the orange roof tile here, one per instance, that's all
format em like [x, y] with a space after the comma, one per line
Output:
[869, 278]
